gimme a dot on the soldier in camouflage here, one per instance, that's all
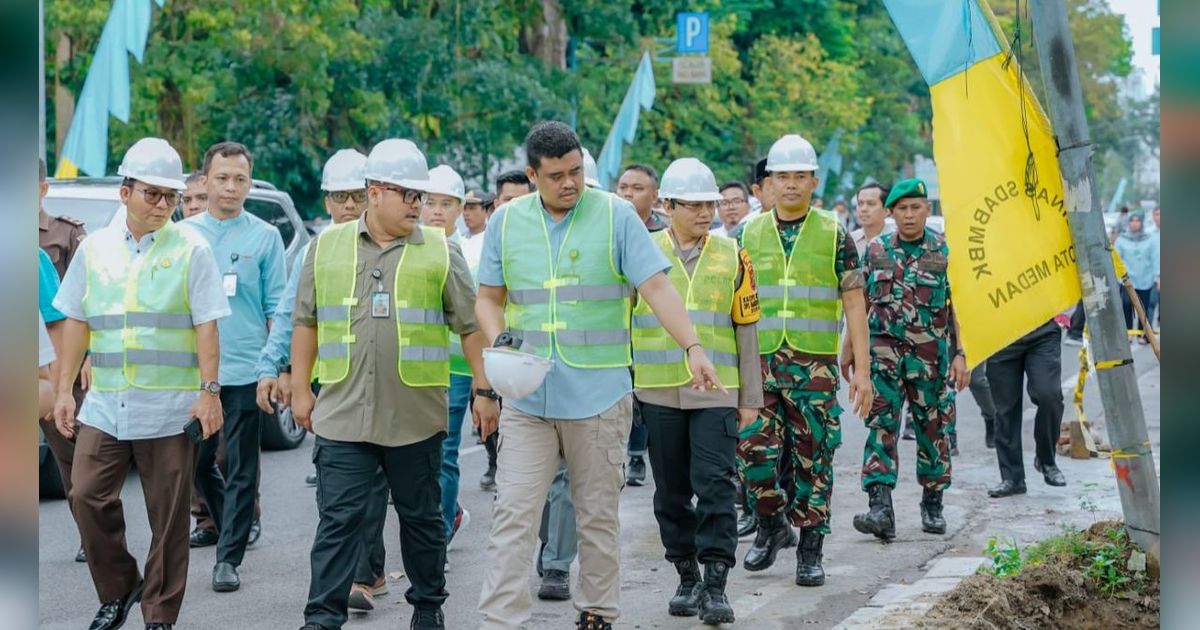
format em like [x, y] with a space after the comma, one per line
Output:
[915, 357]
[807, 270]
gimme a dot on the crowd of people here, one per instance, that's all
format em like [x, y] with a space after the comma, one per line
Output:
[697, 331]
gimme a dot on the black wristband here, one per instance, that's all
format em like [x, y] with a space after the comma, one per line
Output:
[688, 349]
[487, 393]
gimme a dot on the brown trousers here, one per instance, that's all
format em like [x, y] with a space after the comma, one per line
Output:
[204, 519]
[63, 449]
[166, 466]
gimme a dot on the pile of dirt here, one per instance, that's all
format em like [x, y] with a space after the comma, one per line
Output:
[1055, 593]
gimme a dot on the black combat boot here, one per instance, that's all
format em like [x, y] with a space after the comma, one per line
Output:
[931, 512]
[809, 571]
[686, 602]
[880, 520]
[774, 533]
[714, 606]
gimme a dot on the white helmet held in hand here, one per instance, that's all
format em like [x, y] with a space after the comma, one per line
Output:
[791, 153]
[399, 162]
[591, 174]
[443, 180]
[153, 161]
[514, 374]
[346, 170]
[688, 179]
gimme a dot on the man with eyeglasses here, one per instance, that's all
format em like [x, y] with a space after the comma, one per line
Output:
[732, 209]
[144, 297]
[377, 302]
[249, 252]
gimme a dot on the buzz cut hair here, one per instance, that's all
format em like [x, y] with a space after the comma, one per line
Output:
[226, 149]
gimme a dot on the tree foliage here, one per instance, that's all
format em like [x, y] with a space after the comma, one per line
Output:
[298, 79]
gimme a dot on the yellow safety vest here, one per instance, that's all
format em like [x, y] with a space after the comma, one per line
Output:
[799, 294]
[579, 305]
[458, 360]
[417, 306]
[658, 361]
[142, 333]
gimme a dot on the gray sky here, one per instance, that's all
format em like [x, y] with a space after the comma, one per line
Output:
[1141, 16]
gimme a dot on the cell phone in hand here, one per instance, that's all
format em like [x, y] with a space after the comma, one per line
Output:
[194, 431]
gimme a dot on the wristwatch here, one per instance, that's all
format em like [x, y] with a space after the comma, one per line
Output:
[211, 387]
[487, 393]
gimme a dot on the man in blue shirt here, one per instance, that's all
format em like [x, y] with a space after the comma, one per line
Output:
[249, 253]
[584, 413]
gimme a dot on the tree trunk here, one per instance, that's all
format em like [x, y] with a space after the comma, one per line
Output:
[546, 39]
[64, 100]
[170, 120]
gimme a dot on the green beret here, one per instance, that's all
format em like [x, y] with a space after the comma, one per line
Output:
[904, 189]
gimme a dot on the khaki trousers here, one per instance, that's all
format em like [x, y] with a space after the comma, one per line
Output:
[529, 452]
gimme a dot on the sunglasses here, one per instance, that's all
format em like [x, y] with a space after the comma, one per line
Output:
[340, 196]
[154, 195]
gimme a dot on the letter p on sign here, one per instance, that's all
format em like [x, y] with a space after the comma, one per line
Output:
[691, 32]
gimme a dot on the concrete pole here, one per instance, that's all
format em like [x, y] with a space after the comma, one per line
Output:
[41, 79]
[1125, 420]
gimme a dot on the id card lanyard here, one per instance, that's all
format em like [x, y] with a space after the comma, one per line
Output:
[381, 300]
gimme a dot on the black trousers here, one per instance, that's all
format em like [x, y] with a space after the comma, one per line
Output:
[692, 455]
[373, 554]
[1078, 321]
[230, 498]
[346, 481]
[1038, 357]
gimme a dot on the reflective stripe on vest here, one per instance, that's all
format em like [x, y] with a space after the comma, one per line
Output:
[799, 294]
[577, 305]
[658, 361]
[424, 351]
[142, 333]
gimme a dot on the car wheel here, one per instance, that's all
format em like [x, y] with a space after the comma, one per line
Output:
[50, 485]
[280, 432]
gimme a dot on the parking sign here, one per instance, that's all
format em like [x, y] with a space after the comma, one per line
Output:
[691, 32]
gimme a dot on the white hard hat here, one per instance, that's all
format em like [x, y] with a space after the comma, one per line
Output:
[443, 180]
[346, 170]
[398, 162]
[514, 374]
[154, 162]
[591, 174]
[791, 153]
[688, 179]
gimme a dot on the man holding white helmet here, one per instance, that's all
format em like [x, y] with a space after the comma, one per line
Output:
[807, 269]
[693, 434]
[441, 210]
[377, 301]
[556, 271]
[144, 297]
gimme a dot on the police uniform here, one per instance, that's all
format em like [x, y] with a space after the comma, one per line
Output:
[911, 322]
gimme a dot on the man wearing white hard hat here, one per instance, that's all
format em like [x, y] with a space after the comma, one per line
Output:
[250, 254]
[144, 297]
[377, 302]
[808, 272]
[441, 210]
[692, 433]
[556, 272]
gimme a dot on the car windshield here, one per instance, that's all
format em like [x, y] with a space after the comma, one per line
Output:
[95, 213]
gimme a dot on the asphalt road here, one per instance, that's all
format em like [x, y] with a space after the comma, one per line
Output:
[275, 572]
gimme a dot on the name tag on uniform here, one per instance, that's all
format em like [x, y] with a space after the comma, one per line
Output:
[229, 281]
[381, 305]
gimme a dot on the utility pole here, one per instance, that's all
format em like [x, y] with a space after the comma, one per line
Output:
[41, 79]
[1132, 459]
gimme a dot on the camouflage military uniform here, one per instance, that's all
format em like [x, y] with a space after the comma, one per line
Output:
[800, 403]
[912, 345]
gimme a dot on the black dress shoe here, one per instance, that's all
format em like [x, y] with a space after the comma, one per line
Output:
[311, 479]
[1050, 473]
[225, 578]
[80, 556]
[112, 614]
[160, 626]
[1007, 488]
[255, 532]
[747, 525]
[203, 538]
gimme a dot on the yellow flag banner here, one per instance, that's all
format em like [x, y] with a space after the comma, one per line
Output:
[1012, 265]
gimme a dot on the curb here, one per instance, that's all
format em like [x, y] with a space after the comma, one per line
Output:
[904, 605]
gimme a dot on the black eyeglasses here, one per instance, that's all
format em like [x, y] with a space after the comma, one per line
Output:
[340, 196]
[154, 195]
[729, 203]
[410, 196]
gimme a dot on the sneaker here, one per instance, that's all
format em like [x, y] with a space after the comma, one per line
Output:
[636, 475]
[555, 586]
[462, 518]
[362, 598]
[380, 587]
[488, 480]
[428, 619]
